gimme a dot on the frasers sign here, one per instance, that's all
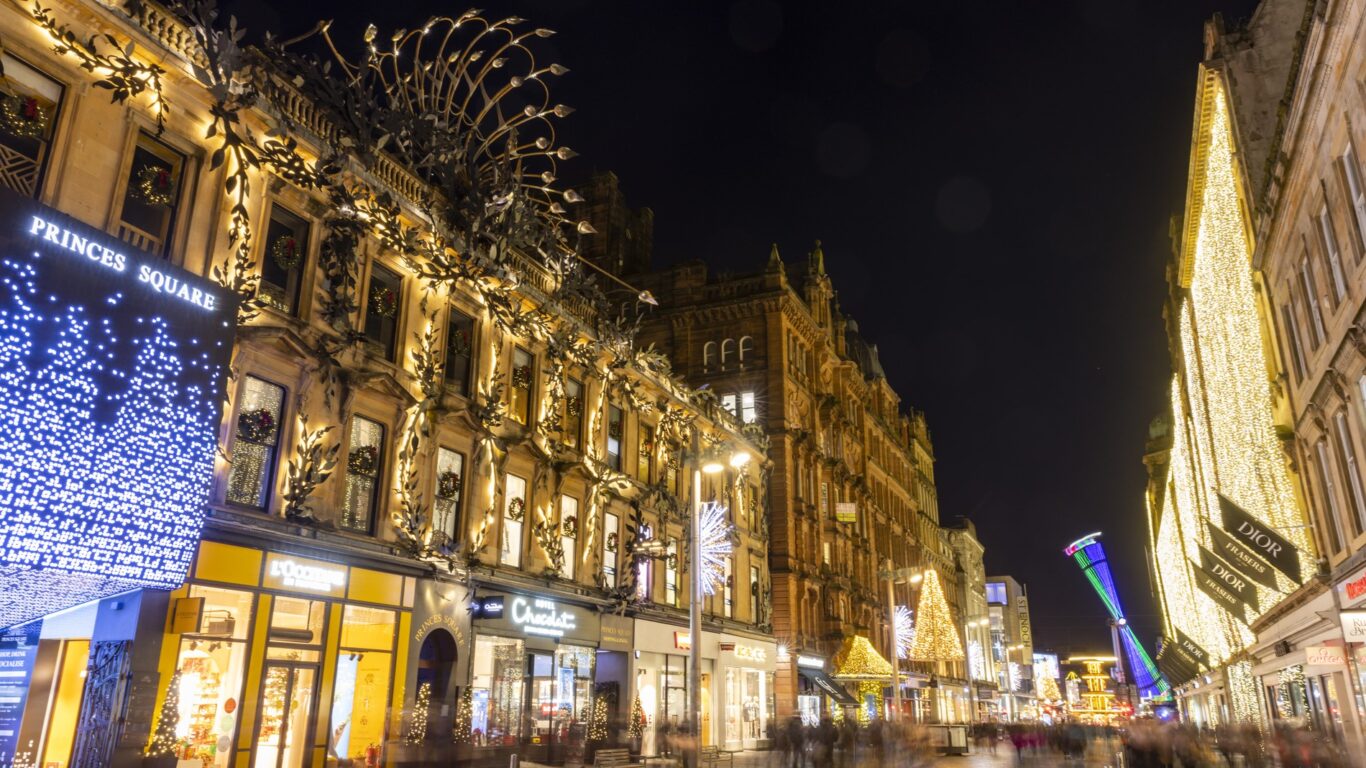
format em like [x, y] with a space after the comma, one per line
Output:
[542, 617]
[112, 371]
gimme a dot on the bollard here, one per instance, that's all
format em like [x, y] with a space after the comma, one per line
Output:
[514, 761]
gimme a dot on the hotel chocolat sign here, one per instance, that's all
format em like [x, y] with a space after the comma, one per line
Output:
[1231, 579]
[1245, 560]
[1259, 537]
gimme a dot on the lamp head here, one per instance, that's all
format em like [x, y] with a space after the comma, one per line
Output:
[739, 459]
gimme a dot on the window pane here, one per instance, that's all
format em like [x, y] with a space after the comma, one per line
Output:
[151, 195]
[572, 425]
[610, 545]
[459, 351]
[209, 675]
[367, 628]
[514, 517]
[519, 393]
[569, 533]
[282, 266]
[363, 460]
[499, 666]
[645, 463]
[28, 113]
[384, 303]
[450, 482]
[296, 620]
[256, 443]
[614, 435]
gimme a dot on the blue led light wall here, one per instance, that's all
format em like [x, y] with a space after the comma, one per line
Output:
[112, 368]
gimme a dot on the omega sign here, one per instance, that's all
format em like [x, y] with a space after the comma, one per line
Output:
[542, 617]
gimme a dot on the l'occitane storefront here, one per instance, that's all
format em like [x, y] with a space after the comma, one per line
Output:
[282, 661]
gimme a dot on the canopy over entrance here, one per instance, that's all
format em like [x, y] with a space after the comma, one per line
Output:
[859, 660]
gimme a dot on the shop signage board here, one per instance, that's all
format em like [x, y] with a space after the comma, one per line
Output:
[618, 633]
[1325, 655]
[488, 607]
[1352, 590]
[1197, 654]
[748, 652]
[811, 662]
[290, 573]
[535, 616]
[115, 364]
[1214, 588]
[1249, 563]
[846, 512]
[1354, 626]
[1231, 579]
[18, 649]
[1258, 537]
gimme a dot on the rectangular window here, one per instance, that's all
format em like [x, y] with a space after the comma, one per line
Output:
[383, 304]
[151, 195]
[450, 483]
[645, 463]
[364, 661]
[1330, 505]
[571, 425]
[610, 544]
[1351, 469]
[1309, 290]
[614, 435]
[728, 590]
[825, 552]
[498, 682]
[459, 351]
[754, 592]
[732, 404]
[1356, 193]
[569, 533]
[514, 516]
[673, 476]
[257, 443]
[364, 459]
[519, 394]
[1292, 335]
[749, 412]
[29, 100]
[1328, 239]
[212, 666]
[671, 574]
[284, 262]
[645, 579]
[996, 593]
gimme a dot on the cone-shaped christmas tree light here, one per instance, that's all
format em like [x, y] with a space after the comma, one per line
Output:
[936, 636]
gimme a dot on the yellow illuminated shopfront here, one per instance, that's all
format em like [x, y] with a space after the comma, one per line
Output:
[282, 661]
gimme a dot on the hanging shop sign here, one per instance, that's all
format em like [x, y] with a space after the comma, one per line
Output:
[115, 364]
[1352, 590]
[846, 512]
[1258, 536]
[1231, 579]
[487, 607]
[1354, 626]
[1245, 560]
[811, 662]
[1325, 656]
[1213, 586]
[298, 574]
[1197, 654]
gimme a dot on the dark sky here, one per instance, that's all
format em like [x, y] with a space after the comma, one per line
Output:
[992, 183]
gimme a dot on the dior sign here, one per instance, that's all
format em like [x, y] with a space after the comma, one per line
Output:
[1258, 536]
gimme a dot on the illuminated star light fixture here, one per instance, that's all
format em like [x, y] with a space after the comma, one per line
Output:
[1089, 554]
[905, 631]
[715, 540]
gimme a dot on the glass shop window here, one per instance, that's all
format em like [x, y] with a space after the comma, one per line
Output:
[571, 425]
[361, 692]
[561, 692]
[384, 303]
[754, 592]
[459, 352]
[210, 670]
[615, 427]
[257, 443]
[497, 681]
[364, 457]
[519, 394]
[569, 533]
[450, 482]
[671, 574]
[645, 464]
[151, 195]
[29, 101]
[286, 255]
[514, 517]
[611, 526]
[729, 594]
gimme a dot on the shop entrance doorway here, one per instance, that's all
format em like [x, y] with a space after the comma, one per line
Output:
[287, 695]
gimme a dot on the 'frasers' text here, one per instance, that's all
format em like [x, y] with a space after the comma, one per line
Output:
[65, 238]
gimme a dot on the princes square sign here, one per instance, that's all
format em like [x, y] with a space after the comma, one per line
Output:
[112, 368]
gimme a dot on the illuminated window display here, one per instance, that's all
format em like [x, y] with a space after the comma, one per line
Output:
[257, 440]
[382, 309]
[282, 266]
[514, 517]
[569, 533]
[212, 666]
[151, 196]
[497, 680]
[519, 394]
[459, 352]
[34, 99]
[450, 482]
[113, 363]
[363, 460]
[571, 424]
[360, 696]
[561, 692]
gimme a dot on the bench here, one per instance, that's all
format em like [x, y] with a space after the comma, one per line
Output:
[613, 758]
[714, 757]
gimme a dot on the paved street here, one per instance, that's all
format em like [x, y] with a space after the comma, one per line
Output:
[1004, 758]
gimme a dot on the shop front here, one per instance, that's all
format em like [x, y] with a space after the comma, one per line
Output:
[275, 659]
[746, 668]
[538, 686]
[660, 678]
[818, 694]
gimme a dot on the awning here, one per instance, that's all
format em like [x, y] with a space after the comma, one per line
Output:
[859, 660]
[829, 687]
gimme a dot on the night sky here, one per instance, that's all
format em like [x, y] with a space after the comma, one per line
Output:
[992, 183]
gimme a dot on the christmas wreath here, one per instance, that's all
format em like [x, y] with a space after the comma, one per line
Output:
[362, 460]
[614, 430]
[156, 185]
[256, 426]
[22, 116]
[574, 406]
[516, 509]
[448, 484]
[287, 252]
[570, 526]
[521, 377]
[611, 542]
[384, 301]
[460, 342]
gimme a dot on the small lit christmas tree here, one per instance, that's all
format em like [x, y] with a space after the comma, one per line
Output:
[464, 716]
[636, 728]
[1048, 689]
[422, 706]
[164, 741]
[597, 726]
[936, 636]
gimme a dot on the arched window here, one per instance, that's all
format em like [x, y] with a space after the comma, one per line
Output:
[746, 347]
[709, 354]
[727, 352]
